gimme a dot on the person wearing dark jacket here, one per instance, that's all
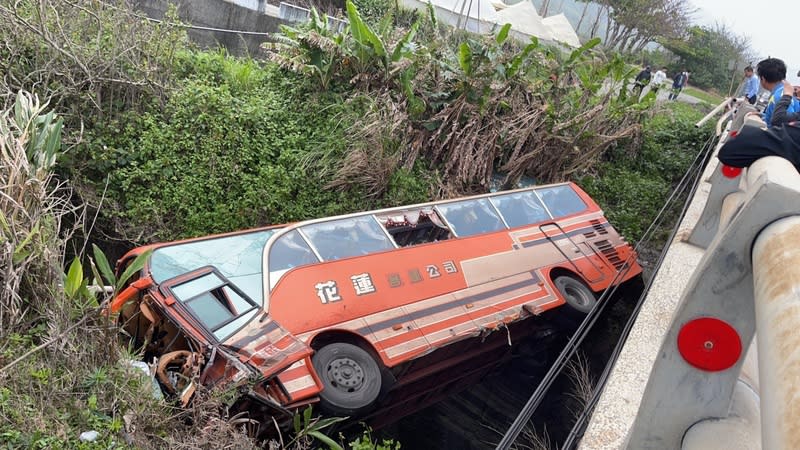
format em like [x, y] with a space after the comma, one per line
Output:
[753, 143]
[641, 81]
[678, 83]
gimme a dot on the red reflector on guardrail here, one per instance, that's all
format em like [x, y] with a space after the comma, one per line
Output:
[709, 344]
[730, 171]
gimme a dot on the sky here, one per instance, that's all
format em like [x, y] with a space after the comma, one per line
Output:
[761, 22]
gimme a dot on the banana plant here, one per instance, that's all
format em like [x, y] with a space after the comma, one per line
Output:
[311, 49]
[372, 46]
[102, 269]
[368, 43]
[75, 285]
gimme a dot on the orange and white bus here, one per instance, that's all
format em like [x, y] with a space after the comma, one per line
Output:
[328, 309]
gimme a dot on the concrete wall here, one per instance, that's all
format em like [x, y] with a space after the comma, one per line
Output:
[220, 14]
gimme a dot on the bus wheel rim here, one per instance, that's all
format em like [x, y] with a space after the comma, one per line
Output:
[346, 374]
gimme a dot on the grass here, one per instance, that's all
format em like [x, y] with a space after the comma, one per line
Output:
[708, 97]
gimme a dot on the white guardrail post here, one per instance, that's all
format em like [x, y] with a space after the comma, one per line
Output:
[697, 370]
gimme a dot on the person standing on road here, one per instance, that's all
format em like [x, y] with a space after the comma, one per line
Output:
[641, 81]
[658, 79]
[678, 84]
[750, 89]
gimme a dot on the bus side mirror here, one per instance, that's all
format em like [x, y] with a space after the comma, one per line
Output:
[128, 293]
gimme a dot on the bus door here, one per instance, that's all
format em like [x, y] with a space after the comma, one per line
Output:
[572, 252]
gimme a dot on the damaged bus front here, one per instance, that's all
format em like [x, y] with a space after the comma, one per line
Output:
[206, 325]
[343, 310]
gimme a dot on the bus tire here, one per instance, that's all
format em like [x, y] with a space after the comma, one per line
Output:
[576, 293]
[350, 376]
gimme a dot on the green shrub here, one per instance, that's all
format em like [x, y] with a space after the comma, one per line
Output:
[629, 198]
[372, 11]
[410, 186]
[214, 161]
[671, 141]
[633, 184]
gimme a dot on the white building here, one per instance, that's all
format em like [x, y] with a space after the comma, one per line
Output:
[483, 16]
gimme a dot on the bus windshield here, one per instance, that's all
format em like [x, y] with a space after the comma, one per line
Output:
[237, 257]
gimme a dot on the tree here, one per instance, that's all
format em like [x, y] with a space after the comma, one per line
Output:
[706, 52]
[632, 24]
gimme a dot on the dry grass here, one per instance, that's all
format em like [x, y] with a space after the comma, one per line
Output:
[514, 131]
[532, 439]
[89, 56]
[580, 375]
[528, 439]
[378, 147]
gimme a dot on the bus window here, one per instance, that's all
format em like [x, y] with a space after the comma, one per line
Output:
[561, 200]
[520, 208]
[414, 227]
[287, 252]
[471, 217]
[347, 237]
[219, 307]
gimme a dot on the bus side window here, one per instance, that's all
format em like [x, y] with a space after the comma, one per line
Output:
[561, 200]
[288, 252]
[471, 217]
[414, 227]
[349, 237]
[520, 208]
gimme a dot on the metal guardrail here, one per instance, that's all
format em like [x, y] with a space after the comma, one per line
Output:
[293, 13]
[747, 281]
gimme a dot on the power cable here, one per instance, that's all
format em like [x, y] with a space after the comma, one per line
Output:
[197, 27]
[184, 25]
[577, 338]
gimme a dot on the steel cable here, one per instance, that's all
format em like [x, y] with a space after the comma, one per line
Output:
[577, 430]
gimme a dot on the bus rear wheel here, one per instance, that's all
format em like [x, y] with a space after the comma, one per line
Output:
[351, 379]
[577, 295]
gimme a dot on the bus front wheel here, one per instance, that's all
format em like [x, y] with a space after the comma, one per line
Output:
[577, 295]
[350, 376]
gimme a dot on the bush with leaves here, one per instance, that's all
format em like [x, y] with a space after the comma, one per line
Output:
[33, 206]
[91, 58]
[633, 184]
[58, 368]
[226, 155]
[62, 371]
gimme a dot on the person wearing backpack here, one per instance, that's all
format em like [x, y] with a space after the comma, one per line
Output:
[678, 84]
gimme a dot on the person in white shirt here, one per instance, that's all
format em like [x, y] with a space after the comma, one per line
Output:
[658, 79]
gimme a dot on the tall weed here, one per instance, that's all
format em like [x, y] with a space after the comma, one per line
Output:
[33, 206]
